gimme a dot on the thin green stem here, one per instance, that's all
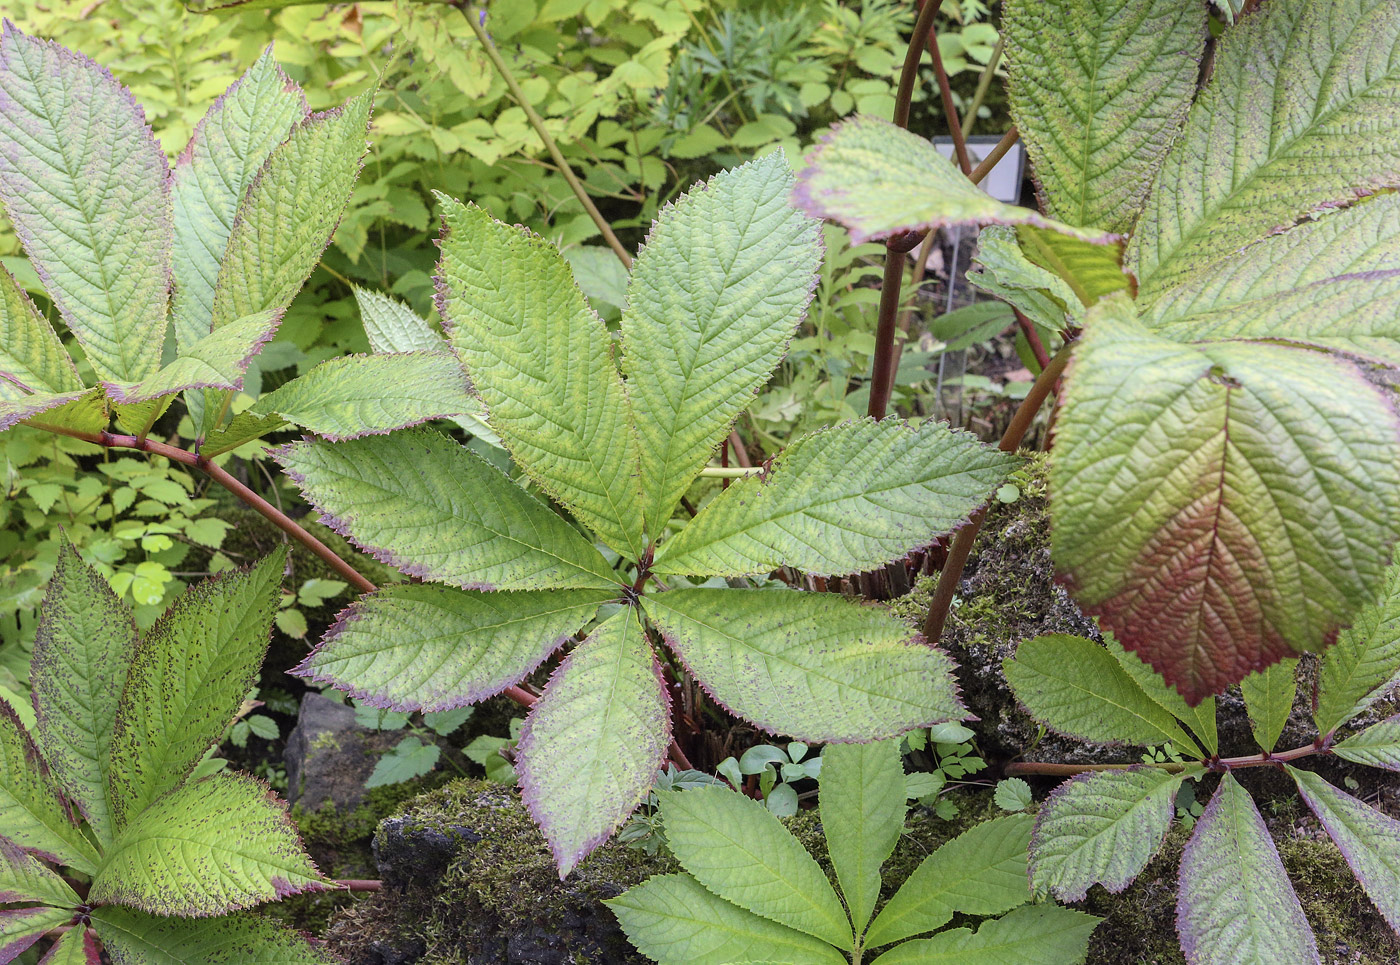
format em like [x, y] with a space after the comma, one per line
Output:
[732, 472]
[998, 152]
[984, 82]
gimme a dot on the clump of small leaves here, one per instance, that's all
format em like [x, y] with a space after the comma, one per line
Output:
[108, 784]
[777, 770]
[752, 893]
[616, 433]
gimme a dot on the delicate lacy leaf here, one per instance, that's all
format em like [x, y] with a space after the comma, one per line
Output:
[1101, 828]
[1376, 746]
[980, 872]
[358, 395]
[83, 409]
[190, 674]
[24, 877]
[862, 814]
[1236, 903]
[541, 361]
[218, 360]
[228, 148]
[84, 183]
[32, 359]
[1078, 688]
[1360, 667]
[1201, 718]
[1037, 935]
[394, 327]
[75, 947]
[592, 744]
[32, 813]
[812, 666]
[673, 920]
[207, 848]
[879, 180]
[1226, 515]
[84, 643]
[717, 291]
[736, 848]
[1274, 137]
[841, 500]
[20, 928]
[1368, 839]
[134, 938]
[1268, 697]
[421, 502]
[1099, 90]
[433, 648]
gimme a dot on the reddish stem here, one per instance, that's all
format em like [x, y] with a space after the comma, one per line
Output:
[945, 91]
[360, 884]
[1032, 339]
[1217, 764]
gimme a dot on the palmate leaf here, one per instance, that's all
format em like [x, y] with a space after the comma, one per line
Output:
[83, 646]
[674, 920]
[1101, 828]
[542, 362]
[1236, 903]
[228, 148]
[1078, 688]
[434, 648]
[24, 878]
[1099, 90]
[862, 812]
[1368, 839]
[1376, 746]
[419, 501]
[841, 500]
[135, 938]
[32, 359]
[190, 674]
[1272, 139]
[879, 180]
[807, 665]
[1268, 698]
[737, 849]
[1035, 935]
[1201, 718]
[20, 928]
[32, 812]
[208, 847]
[75, 947]
[980, 872]
[1225, 516]
[85, 185]
[592, 744]
[717, 291]
[1358, 668]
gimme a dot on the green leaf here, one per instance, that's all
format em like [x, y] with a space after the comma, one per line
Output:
[1268, 697]
[1229, 518]
[1273, 139]
[673, 920]
[435, 509]
[593, 742]
[1368, 839]
[879, 180]
[83, 645]
[135, 938]
[207, 848]
[216, 361]
[1201, 718]
[32, 812]
[190, 675]
[1013, 794]
[807, 665]
[980, 872]
[1358, 669]
[410, 758]
[290, 210]
[394, 327]
[432, 648]
[24, 877]
[1001, 268]
[1078, 688]
[1099, 89]
[542, 363]
[32, 359]
[228, 148]
[862, 812]
[1101, 828]
[82, 409]
[600, 274]
[716, 293]
[84, 184]
[242, 428]
[1236, 903]
[359, 395]
[20, 928]
[75, 947]
[841, 500]
[1034, 935]
[1376, 746]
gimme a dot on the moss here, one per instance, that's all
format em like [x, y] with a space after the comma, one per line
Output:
[1347, 925]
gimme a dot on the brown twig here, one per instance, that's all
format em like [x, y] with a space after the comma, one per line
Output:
[997, 153]
[1216, 764]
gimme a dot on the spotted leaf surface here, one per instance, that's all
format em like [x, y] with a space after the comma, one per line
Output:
[1027, 936]
[862, 812]
[207, 848]
[23, 877]
[592, 744]
[135, 938]
[84, 183]
[841, 500]
[807, 665]
[21, 928]
[1376, 746]
[32, 812]
[32, 359]
[1221, 514]
[75, 947]
[432, 648]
